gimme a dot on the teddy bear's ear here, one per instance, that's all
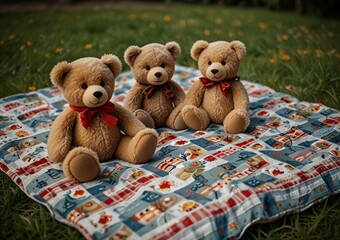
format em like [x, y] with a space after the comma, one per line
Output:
[113, 63]
[198, 48]
[131, 54]
[239, 48]
[59, 72]
[174, 49]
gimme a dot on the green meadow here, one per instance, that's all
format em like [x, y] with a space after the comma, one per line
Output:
[294, 54]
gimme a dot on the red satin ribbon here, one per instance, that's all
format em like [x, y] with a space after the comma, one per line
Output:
[165, 88]
[105, 111]
[224, 85]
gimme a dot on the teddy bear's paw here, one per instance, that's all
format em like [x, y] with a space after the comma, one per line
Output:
[81, 165]
[144, 145]
[145, 118]
[195, 118]
[236, 121]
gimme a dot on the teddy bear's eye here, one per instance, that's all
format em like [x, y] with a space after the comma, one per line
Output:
[163, 65]
[84, 86]
[102, 83]
[147, 67]
[223, 63]
[209, 63]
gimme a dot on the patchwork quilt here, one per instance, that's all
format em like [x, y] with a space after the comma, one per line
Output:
[199, 184]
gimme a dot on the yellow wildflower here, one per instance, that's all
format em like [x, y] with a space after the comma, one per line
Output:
[47, 55]
[58, 50]
[166, 18]
[289, 87]
[302, 52]
[152, 25]
[219, 20]
[236, 23]
[272, 60]
[191, 21]
[11, 37]
[88, 46]
[206, 32]
[330, 34]
[218, 31]
[319, 53]
[332, 51]
[132, 17]
[284, 56]
[182, 23]
[263, 26]
[303, 29]
[29, 43]
[284, 37]
[32, 88]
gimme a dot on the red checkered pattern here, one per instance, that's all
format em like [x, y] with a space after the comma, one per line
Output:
[53, 190]
[128, 191]
[209, 211]
[34, 167]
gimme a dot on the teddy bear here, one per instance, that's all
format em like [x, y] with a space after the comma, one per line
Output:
[155, 99]
[92, 129]
[218, 96]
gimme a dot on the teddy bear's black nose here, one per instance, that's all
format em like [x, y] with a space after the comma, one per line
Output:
[214, 71]
[158, 74]
[98, 94]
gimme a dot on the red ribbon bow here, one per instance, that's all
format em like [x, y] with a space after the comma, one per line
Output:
[166, 89]
[224, 85]
[105, 111]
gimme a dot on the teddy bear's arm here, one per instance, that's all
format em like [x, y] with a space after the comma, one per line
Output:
[134, 98]
[240, 96]
[179, 93]
[60, 137]
[195, 94]
[127, 122]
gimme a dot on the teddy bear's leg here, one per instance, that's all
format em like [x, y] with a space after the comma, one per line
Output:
[175, 120]
[195, 118]
[138, 149]
[81, 165]
[145, 118]
[236, 121]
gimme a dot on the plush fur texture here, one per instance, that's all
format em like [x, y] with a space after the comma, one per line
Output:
[218, 61]
[154, 65]
[89, 82]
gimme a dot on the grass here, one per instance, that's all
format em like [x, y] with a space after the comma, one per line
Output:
[294, 54]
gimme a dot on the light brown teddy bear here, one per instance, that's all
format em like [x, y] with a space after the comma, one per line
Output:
[93, 129]
[219, 96]
[155, 99]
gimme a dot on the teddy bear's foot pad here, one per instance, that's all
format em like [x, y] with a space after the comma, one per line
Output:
[81, 167]
[195, 118]
[237, 122]
[145, 148]
[179, 123]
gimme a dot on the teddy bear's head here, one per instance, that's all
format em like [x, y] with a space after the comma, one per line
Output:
[154, 63]
[87, 82]
[218, 60]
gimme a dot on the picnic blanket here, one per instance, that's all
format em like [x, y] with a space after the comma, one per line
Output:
[199, 184]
